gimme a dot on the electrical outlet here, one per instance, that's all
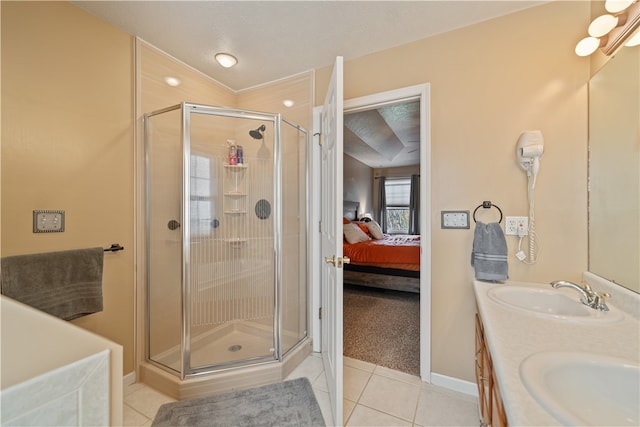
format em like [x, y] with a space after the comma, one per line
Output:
[454, 219]
[45, 221]
[516, 226]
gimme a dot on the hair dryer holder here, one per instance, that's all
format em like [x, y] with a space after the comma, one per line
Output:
[529, 152]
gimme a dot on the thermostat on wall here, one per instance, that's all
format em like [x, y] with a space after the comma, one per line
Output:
[48, 221]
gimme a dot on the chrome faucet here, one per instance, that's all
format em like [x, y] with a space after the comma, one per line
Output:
[589, 297]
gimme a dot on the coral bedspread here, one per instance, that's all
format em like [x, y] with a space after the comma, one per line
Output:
[394, 251]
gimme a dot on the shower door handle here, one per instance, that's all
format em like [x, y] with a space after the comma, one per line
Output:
[337, 261]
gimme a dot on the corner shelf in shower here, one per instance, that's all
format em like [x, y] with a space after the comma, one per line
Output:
[236, 167]
[235, 242]
[235, 204]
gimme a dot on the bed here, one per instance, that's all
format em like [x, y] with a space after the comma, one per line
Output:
[387, 261]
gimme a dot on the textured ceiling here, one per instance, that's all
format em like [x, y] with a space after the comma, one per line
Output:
[276, 39]
[384, 137]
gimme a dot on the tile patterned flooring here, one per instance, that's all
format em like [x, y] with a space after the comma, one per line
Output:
[373, 396]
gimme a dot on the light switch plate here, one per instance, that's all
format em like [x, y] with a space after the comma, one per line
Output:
[454, 219]
[46, 221]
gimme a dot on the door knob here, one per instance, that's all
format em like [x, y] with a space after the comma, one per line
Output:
[337, 261]
[331, 260]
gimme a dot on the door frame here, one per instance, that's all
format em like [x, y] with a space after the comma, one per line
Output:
[418, 92]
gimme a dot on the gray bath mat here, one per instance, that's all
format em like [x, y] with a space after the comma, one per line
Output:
[290, 403]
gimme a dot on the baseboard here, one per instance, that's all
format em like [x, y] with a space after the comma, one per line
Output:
[454, 384]
[129, 379]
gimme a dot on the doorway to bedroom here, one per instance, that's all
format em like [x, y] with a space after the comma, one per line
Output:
[386, 197]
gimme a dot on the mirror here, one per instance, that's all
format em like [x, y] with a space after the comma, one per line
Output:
[614, 170]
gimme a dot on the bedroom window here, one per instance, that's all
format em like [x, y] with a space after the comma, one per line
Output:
[397, 197]
[202, 196]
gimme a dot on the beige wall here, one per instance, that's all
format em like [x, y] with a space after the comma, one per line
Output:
[358, 184]
[67, 143]
[68, 94]
[489, 82]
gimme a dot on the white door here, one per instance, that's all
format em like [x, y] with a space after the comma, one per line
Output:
[331, 239]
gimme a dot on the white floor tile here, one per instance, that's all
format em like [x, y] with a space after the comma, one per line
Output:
[437, 407]
[132, 418]
[311, 367]
[396, 398]
[347, 409]
[397, 375]
[321, 382]
[373, 396]
[354, 383]
[359, 364]
[147, 401]
[363, 416]
[325, 405]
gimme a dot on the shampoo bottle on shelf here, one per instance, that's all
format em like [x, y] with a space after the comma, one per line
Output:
[240, 155]
[233, 152]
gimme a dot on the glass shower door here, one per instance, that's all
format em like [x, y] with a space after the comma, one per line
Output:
[231, 313]
[164, 238]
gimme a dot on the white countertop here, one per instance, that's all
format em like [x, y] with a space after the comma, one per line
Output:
[513, 335]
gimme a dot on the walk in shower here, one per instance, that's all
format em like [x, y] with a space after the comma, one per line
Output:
[226, 238]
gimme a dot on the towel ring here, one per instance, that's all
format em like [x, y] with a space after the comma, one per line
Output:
[487, 205]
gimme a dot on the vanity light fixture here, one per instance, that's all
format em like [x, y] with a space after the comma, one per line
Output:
[226, 60]
[611, 31]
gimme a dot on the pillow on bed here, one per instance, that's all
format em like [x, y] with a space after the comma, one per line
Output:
[353, 234]
[375, 230]
[363, 227]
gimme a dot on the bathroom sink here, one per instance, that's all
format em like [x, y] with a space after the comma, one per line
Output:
[583, 388]
[549, 302]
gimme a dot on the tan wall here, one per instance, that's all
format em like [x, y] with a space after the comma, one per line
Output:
[67, 143]
[358, 184]
[489, 82]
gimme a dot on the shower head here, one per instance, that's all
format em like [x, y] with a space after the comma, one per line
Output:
[257, 133]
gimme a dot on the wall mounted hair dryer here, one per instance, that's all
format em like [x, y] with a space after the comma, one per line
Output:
[529, 152]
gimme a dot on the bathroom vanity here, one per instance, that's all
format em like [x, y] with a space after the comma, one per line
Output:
[544, 358]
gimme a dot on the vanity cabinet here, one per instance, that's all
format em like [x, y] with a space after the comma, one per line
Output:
[489, 400]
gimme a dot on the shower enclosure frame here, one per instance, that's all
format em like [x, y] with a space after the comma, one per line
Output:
[276, 119]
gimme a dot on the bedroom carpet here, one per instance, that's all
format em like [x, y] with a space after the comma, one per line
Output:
[382, 327]
[289, 403]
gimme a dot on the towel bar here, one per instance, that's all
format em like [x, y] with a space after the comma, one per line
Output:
[487, 205]
[114, 248]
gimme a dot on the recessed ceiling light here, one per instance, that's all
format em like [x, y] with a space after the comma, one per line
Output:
[288, 103]
[172, 81]
[226, 60]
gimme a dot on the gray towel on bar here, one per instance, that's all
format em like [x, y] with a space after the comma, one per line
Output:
[489, 254]
[66, 284]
